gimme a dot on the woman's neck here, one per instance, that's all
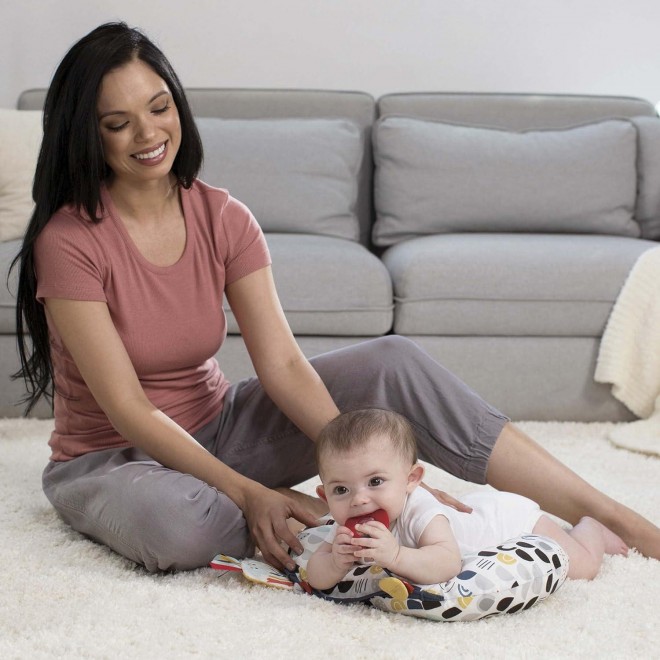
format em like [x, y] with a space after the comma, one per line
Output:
[147, 203]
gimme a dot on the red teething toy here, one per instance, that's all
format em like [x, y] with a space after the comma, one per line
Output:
[380, 515]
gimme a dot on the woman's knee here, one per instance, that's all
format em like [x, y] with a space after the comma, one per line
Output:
[196, 532]
[397, 344]
[398, 347]
[393, 352]
[154, 516]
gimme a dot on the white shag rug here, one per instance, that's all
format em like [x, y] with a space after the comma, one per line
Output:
[64, 596]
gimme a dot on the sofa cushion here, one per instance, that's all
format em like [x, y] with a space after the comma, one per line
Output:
[8, 286]
[509, 284]
[296, 175]
[517, 112]
[329, 286]
[20, 139]
[647, 210]
[434, 177]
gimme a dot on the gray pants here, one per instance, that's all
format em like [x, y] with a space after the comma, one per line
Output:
[164, 519]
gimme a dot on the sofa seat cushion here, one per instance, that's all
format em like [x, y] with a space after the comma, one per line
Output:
[509, 284]
[329, 286]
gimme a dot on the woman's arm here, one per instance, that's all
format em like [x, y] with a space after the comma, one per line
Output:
[285, 374]
[87, 330]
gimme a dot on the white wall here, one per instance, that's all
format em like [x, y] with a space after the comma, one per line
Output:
[377, 46]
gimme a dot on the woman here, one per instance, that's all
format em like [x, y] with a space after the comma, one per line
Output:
[122, 273]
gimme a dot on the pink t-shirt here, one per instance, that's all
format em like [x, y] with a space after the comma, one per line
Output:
[169, 318]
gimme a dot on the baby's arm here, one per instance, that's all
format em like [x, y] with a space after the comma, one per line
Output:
[437, 559]
[330, 562]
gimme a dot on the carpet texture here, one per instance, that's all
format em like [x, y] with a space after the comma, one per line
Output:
[64, 596]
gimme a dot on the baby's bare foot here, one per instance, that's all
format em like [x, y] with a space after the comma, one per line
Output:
[614, 545]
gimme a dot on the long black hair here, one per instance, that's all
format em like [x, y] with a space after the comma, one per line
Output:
[71, 167]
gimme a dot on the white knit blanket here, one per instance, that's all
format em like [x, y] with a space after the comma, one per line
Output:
[629, 356]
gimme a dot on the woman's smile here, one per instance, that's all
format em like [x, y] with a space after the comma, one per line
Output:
[152, 156]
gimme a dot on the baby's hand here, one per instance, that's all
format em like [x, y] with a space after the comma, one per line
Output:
[343, 556]
[377, 545]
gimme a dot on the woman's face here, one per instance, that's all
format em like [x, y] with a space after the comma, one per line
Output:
[139, 124]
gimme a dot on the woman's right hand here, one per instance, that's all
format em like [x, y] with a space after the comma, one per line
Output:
[446, 498]
[267, 512]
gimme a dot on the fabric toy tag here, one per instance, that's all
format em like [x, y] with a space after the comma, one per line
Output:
[254, 570]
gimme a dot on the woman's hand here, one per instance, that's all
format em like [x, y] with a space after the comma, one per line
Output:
[447, 499]
[267, 512]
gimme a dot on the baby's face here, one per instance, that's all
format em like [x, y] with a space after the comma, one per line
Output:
[359, 482]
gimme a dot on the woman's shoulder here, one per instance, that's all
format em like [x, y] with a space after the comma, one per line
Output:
[67, 223]
[201, 190]
[228, 223]
[71, 231]
[74, 218]
[216, 200]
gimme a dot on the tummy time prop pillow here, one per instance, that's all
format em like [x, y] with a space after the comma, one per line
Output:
[506, 578]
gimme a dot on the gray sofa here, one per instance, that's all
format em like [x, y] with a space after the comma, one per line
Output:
[494, 230]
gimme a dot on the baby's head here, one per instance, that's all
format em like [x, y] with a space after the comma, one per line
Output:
[367, 460]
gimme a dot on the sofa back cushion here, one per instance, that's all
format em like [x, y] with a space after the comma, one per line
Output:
[647, 210]
[437, 177]
[516, 112]
[20, 139]
[295, 175]
[358, 108]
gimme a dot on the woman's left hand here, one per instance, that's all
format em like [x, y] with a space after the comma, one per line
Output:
[447, 499]
[266, 512]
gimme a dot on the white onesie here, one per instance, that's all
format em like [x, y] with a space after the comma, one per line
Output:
[496, 517]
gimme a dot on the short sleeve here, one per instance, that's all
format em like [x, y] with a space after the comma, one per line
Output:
[421, 507]
[67, 262]
[246, 248]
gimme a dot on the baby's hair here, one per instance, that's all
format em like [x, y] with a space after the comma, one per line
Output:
[352, 430]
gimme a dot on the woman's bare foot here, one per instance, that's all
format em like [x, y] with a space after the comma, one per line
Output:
[519, 465]
[635, 530]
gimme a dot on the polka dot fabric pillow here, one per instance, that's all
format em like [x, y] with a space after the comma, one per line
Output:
[507, 578]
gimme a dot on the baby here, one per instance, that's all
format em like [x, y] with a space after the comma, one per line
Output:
[367, 461]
